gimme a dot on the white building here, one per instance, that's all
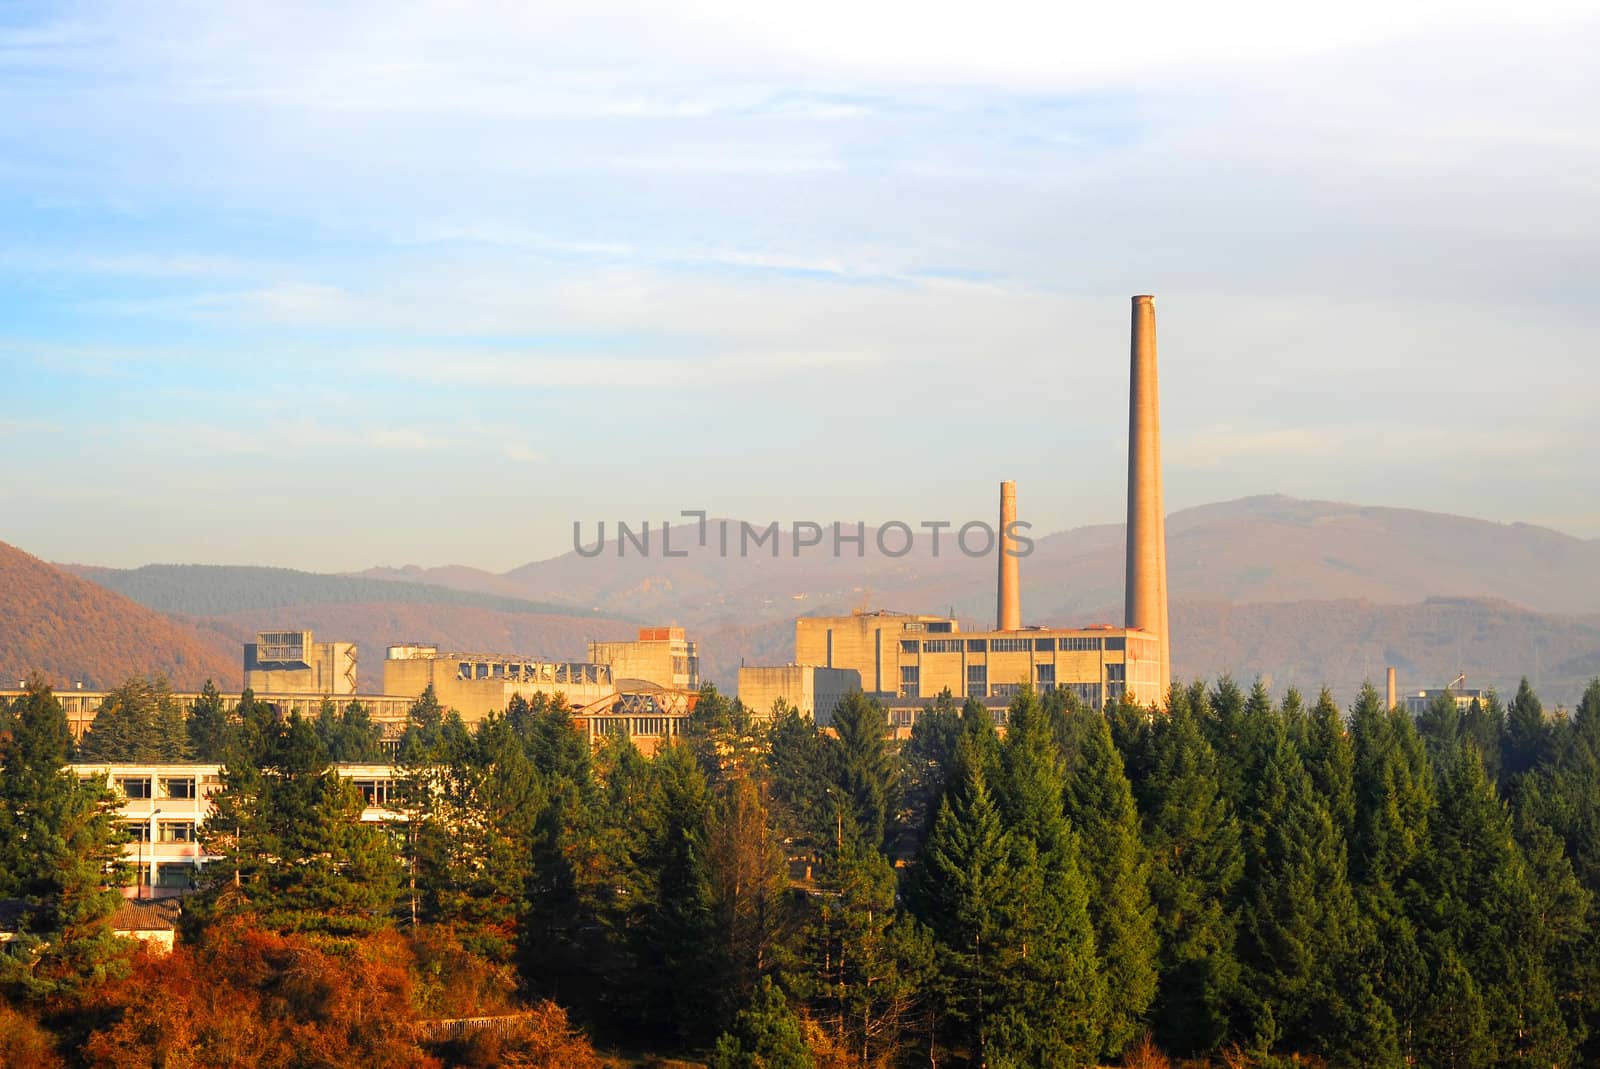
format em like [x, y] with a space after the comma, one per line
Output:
[164, 807]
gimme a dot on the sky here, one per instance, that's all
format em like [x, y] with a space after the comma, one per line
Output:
[334, 286]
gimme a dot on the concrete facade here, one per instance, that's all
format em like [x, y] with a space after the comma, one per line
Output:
[660, 655]
[918, 657]
[863, 641]
[290, 662]
[477, 684]
[813, 690]
[1145, 599]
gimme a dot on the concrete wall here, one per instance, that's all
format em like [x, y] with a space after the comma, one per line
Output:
[863, 641]
[661, 655]
[476, 685]
[814, 691]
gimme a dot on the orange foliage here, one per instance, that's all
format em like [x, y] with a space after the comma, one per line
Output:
[254, 999]
[1145, 1055]
[25, 1045]
[68, 628]
[539, 1039]
[247, 998]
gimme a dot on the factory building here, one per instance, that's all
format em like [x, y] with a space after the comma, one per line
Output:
[907, 660]
[289, 662]
[660, 655]
[815, 691]
[913, 659]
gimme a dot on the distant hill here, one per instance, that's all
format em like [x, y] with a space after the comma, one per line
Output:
[70, 630]
[1309, 592]
[211, 590]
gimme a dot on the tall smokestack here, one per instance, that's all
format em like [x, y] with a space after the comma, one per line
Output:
[1393, 689]
[1145, 604]
[1008, 610]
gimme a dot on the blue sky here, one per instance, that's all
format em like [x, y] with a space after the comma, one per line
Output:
[426, 283]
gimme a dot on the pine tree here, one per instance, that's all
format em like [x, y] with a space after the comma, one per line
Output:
[766, 1035]
[1196, 861]
[1389, 851]
[1099, 802]
[1526, 733]
[1300, 931]
[866, 768]
[676, 930]
[1330, 761]
[210, 729]
[289, 833]
[749, 881]
[140, 721]
[1058, 977]
[61, 853]
[802, 764]
[1482, 905]
[965, 890]
[863, 964]
[925, 760]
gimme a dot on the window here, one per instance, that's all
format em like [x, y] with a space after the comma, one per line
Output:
[1118, 643]
[375, 791]
[910, 681]
[134, 786]
[904, 718]
[1044, 645]
[1080, 644]
[179, 874]
[1010, 645]
[175, 831]
[942, 645]
[1044, 675]
[977, 645]
[941, 627]
[177, 786]
[1116, 673]
[1005, 690]
[1087, 693]
[138, 830]
[977, 679]
[913, 625]
[908, 645]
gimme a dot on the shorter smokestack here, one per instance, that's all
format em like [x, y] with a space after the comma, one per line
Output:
[1008, 610]
[1393, 689]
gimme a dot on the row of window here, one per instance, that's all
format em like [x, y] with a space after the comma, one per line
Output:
[1044, 678]
[1074, 644]
[181, 787]
[167, 831]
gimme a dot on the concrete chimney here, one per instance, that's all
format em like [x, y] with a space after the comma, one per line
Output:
[1008, 609]
[1393, 690]
[1145, 604]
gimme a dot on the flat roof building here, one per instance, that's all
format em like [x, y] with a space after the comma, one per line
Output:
[661, 655]
[814, 690]
[910, 659]
[290, 662]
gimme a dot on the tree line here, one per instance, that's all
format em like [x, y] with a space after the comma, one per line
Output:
[1236, 876]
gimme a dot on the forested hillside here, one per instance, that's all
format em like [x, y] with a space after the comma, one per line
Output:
[70, 630]
[215, 590]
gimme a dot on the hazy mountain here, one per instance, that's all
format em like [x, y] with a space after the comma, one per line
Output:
[211, 590]
[70, 630]
[1308, 592]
